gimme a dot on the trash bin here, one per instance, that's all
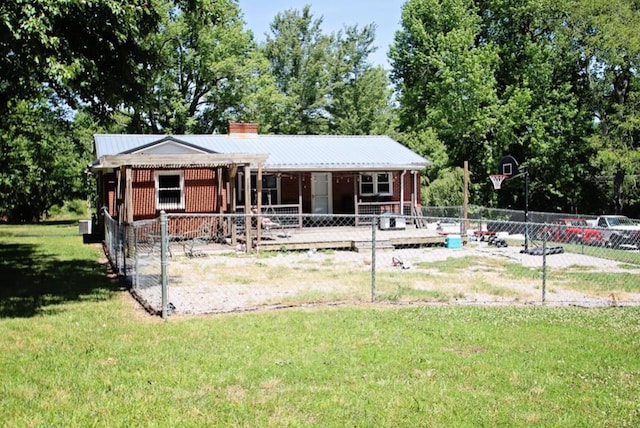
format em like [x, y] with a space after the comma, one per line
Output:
[454, 241]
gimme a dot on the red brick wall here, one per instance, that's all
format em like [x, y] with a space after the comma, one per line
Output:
[200, 192]
[343, 189]
[343, 186]
[144, 193]
[289, 189]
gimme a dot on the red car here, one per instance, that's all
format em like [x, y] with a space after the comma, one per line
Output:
[575, 230]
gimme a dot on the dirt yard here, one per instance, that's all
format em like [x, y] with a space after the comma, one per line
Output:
[229, 281]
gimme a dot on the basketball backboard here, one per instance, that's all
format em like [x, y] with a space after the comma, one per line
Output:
[508, 166]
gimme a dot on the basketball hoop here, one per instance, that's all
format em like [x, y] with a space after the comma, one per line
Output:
[497, 180]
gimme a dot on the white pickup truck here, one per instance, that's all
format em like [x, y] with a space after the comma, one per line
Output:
[618, 231]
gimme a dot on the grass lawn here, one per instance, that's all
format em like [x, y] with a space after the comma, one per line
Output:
[77, 352]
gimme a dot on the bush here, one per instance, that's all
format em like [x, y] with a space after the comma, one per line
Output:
[73, 209]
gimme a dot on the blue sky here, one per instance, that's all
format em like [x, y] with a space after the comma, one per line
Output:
[258, 14]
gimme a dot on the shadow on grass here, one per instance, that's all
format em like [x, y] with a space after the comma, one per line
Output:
[33, 283]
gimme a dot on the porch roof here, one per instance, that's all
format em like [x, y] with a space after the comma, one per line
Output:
[176, 160]
[284, 152]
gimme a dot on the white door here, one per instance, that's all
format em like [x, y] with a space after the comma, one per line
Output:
[321, 197]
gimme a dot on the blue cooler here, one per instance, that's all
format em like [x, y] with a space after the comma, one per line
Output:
[454, 241]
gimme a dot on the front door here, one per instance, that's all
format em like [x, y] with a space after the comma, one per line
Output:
[321, 197]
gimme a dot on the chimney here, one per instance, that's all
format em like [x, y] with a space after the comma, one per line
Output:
[243, 129]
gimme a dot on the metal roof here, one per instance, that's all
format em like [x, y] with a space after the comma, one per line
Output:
[285, 152]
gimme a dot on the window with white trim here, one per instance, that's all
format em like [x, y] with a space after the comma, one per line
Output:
[169, 190]
[270, 189]
[376, 184]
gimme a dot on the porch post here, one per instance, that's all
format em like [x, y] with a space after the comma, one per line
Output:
[300, 200]
[120, 194]
[356, 208]
[247, 206]
[233, 173]
[259, 203]
[128, 195]
[414, 194]
[402, 192]
[220, 190]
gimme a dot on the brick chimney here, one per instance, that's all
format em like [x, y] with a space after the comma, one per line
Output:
[243, 129]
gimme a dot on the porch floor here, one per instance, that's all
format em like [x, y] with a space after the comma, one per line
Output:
[351, 238]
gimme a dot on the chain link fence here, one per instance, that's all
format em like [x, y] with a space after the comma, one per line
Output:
[223, 263]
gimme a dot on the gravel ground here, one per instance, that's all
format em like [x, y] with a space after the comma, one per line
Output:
[196, 288]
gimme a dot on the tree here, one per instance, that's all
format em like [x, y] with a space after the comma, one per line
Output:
[40, 161]
[544, 119]
[445, 78]
[55, 56]
[495, 77]
[610, 46]
[87, 51]
[298, 53]
[200, 82]
[360, 93]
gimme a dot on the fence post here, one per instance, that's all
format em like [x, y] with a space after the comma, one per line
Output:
[164, 242]
[374, 226]
[124, 250]
[544, 264]
[136, 278]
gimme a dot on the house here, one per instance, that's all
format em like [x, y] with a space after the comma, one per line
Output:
[138, 176]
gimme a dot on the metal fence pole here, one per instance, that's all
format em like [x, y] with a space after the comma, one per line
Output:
[374, 226]
[544, 264]
[164, 243]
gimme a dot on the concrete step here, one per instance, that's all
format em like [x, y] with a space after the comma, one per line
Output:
[364, 246]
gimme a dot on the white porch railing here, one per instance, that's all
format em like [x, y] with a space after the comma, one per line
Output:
[287, 215]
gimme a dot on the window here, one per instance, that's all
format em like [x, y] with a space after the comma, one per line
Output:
[169, 190]
[376, 183]
[270, 189]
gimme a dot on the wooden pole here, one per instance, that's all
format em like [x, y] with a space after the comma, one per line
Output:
[247, 207]
[259, 204]
[233, 174]
[128, 196]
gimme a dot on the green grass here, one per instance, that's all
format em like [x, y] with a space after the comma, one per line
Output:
[625, 256]
[599, 282]
[77, 352]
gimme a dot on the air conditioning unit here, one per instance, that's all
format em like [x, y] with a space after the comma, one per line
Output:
[390, 221]
[84, 227]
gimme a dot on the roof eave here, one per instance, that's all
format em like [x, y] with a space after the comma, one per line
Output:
[108, 162]
[343, 168]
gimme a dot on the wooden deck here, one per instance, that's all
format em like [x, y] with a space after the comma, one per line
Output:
[352, 238]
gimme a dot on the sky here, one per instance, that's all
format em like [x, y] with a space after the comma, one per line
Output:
[335, 14]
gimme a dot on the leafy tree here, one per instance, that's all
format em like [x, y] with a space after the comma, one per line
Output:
[360, 93]
[445, 80]
[326, 82]
[56, 55]
[88, 51]
[492, 78]
[40, 165]
[610, 45]
[446, 190]
[207, 61]
[544, 117]
[298, 53]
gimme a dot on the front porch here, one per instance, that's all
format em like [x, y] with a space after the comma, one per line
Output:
[349, 238]
[293, 215]
[299, 232]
